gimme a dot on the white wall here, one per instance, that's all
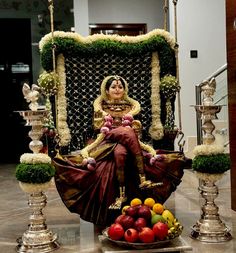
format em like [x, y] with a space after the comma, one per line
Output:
[118, 11]
[81, 16]
[200, 26]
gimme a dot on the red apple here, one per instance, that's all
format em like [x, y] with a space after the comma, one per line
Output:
[140, 223]
[146, 235]
[131, 211]
[160, 230]
[116, 231]
[144, 212]
[131, 235]
[119, 219]
[127, 222]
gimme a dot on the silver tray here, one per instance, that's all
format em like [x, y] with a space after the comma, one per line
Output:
[137, 245]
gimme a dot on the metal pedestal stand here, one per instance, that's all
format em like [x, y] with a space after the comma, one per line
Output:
[37, 238]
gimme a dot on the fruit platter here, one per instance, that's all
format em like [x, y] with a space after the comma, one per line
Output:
[142, 225]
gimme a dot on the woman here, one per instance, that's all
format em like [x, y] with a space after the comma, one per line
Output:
[117, 166]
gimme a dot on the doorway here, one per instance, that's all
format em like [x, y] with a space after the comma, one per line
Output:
[120, 29]
[15, 70]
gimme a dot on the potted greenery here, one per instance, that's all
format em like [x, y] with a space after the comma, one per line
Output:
[34, 172]
[169, 86]
[210, 162]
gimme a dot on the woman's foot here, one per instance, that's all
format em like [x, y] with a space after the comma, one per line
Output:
[118, 203]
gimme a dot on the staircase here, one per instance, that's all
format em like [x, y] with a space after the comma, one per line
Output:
[221, 124]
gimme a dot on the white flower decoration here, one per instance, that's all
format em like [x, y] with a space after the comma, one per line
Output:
[31, 158]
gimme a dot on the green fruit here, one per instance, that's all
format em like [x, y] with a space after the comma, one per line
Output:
[169, 217]
[157, 217]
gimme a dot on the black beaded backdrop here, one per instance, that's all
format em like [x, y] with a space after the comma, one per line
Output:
[84, 76]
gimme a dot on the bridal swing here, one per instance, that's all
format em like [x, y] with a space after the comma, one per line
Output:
[105, 148]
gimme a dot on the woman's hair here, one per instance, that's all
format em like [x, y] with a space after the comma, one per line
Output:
[110, 80]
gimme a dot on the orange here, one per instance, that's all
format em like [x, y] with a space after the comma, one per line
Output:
[158, 208]
[135, 202]
[149, 202]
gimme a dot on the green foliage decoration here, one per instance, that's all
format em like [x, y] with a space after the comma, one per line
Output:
[212, 164]
[169, 86]
[70, 47]
[34, 173]
[48, 82]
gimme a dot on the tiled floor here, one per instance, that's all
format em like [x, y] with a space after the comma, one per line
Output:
[77, 236]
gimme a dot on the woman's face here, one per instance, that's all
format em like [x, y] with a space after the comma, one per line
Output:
[116, 90]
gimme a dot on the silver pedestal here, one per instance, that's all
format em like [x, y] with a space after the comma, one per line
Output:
[37, 238]
[210, 228]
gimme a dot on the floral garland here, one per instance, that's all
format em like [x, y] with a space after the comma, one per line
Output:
[205, 149]
[156, 129]
[62, 126]
[124, 39]
[31, 158]
[147, 148]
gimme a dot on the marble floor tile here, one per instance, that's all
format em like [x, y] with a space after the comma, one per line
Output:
[78, 236]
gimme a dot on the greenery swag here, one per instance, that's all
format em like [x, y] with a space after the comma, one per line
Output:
[71, 47]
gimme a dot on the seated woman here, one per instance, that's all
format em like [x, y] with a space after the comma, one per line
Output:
[117, 166]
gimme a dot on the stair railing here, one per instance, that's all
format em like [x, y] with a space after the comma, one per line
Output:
[198, 91]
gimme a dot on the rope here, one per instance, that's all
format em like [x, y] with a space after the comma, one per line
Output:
[177, 77]
[51, 10]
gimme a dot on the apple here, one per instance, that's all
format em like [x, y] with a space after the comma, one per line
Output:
[146, 235]
[115, 231]
[127, 222]
[131, 235]
[119, 219]
[144, 212]
[140, 223]
[156, 218]
[160, 230]
[131, 211]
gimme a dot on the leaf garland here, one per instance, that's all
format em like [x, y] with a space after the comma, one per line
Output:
[71, 46]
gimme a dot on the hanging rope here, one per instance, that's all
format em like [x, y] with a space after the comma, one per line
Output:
[180, 133]
[165, 8]
[51, 10]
